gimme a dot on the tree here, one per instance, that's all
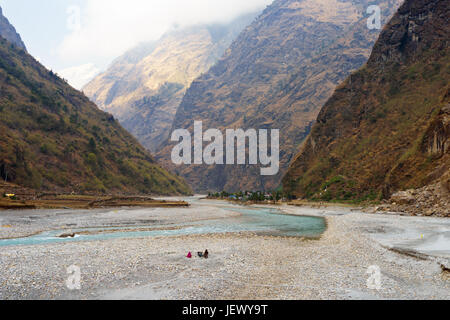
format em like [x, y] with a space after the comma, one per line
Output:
[92, 145]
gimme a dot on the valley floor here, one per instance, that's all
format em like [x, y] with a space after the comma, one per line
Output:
[241, 265]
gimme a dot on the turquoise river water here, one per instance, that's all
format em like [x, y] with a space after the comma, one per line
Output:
[261, 220]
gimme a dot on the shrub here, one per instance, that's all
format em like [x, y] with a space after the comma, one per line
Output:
[92, 160]
[94, 184]
[92, 145]
[50, 148]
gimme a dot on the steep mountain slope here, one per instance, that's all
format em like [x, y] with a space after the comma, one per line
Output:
[8, 32]
[144, 87]
[54, 138]
[387, 127]
[277, 74]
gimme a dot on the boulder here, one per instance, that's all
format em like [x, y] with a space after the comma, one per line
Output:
[403, 197]
[67, 235]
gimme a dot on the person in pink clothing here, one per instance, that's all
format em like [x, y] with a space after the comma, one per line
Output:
[189, 256]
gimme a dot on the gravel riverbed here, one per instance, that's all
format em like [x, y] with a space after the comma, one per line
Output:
[241, 265]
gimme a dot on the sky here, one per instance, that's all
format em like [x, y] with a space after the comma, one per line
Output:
[80, 38]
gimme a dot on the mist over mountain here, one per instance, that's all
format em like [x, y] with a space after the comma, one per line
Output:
[276, 75]
[54, 139]
[144, 87]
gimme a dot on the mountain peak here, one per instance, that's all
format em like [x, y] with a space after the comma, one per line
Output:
[277, 74]
[144, 87]
[55, 139]
[8, 32]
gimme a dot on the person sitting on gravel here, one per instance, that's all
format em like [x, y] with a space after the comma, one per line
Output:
[203, 255]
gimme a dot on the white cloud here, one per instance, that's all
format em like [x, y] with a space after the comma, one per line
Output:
[80, 75]
[109, 27]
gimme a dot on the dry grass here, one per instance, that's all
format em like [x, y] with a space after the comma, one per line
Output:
[314, 204]
[88, 202]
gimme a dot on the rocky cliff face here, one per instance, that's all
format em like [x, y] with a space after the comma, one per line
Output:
[277, 74]
[386, 128]
[145, 86]
[54, 138]
[434, 198]
[8, 32]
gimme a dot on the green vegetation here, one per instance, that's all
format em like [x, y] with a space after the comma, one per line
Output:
[54, 138]
[384, 140]
[251, 196]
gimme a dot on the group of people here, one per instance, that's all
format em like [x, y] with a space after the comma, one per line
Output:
[200, 255]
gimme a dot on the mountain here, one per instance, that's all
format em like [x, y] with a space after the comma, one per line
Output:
[387, 127]
[277, 74]
[144, 87]
[8, 32]
[53, 138]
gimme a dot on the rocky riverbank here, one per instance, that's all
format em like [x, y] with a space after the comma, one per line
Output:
[85, 202]
[240, 266]
[432, 200]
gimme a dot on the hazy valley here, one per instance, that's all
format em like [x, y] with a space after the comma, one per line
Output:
[144, 87]
[54, 139]
[277, 74]
[93, 206]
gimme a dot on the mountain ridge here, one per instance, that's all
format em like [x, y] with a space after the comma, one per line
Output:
[54, 139]
[144, 87]
[8, 32]
[386, 128]
[277, 74]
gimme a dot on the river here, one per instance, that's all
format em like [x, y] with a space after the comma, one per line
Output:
[93, 227]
